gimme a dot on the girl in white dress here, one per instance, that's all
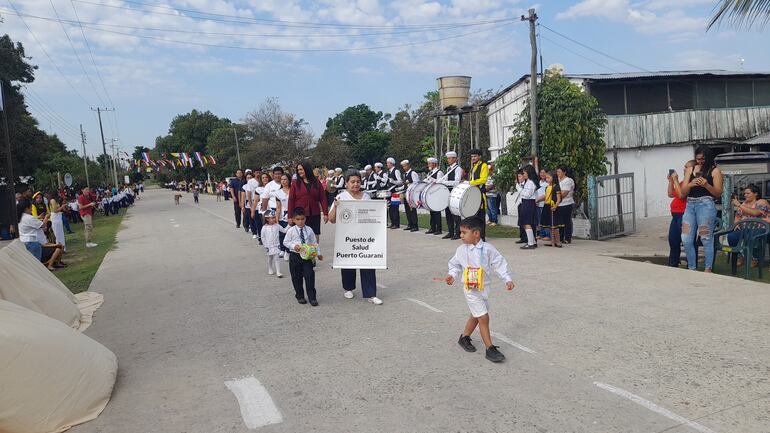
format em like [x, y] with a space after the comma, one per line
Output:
[270, 236]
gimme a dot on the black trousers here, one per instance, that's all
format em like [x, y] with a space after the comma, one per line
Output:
[237, 209]
[566, 234]
[368, 281]
[411, 215]
[302, 271]
[452, 223]
[482, 214]
[435, 222]
[395, 218]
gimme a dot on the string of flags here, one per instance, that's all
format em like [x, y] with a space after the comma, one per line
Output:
[173, 161]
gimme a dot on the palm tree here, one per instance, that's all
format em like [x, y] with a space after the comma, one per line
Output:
[741, 12]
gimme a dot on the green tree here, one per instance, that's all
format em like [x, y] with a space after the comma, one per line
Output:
[741, 13]
[570, 133]
[355, 124]
[331, 152]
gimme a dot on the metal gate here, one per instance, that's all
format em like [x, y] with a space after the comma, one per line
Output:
[611, 205]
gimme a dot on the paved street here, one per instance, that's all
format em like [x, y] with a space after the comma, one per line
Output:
[593, 343]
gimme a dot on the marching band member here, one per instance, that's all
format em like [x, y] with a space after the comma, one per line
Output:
[339, 180]
[451, 179]
[330, 188]
[477, 176]
[434, 174]
[394, 185]
[368, 179]
[410, 177]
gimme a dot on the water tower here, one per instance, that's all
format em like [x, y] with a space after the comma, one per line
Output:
[454, 93]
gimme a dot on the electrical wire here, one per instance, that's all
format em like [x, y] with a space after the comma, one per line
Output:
[260, 35]
[77, 56]
[91, 53]
[266, 21]
[28, 92]
[579, 55]
[312, 50]
[42, 48]
[593, 49]
[53, 121]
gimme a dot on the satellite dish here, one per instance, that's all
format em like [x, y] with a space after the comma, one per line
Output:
[68, 179]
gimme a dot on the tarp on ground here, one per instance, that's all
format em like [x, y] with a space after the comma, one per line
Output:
[27, 282]
[52, 376]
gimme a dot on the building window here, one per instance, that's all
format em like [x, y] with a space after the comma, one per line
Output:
[761, 93]
[647, 97]
[711, 94]
[739, 94]
[609, 97]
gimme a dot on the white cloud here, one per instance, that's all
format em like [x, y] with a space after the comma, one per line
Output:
[704, 59]
[645, 17]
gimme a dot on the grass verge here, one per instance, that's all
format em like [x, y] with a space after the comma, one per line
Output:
[82, 263]
[498, 231]
[721, 267]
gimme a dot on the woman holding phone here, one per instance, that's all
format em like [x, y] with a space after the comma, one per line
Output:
[678, 206]
[702, 184]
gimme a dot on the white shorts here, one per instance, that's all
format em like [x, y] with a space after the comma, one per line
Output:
[478, 302]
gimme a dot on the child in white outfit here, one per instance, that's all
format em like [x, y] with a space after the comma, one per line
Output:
[473, 261]
[270, 240]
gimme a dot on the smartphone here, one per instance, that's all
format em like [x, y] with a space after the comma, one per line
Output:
[671, 171]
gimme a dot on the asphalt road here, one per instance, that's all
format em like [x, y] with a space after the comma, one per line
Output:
[593, 343]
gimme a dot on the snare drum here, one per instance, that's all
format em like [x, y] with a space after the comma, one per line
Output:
[435, 197]
[413, 194]
[382, 194]
[465, 200]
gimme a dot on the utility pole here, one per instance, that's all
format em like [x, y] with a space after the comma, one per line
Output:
[237, 147]
[85, 158]
[104, 144]
[532, 18]
[9, 177]
[114, 161]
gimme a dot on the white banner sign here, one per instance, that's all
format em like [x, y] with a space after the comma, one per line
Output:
[361, 240]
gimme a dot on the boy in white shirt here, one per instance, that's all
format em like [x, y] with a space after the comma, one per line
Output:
[301, 269]
[472, 261]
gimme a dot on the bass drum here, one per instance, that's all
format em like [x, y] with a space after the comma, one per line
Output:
[465, 200]
[435, 197]
[413, 194]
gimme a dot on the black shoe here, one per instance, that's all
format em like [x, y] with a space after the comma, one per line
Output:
[521, 241]
[455, 237]
[447, 236]
[408, 228]
[238, 226]
[528, 247]
[313, 302]
[430, 232]
[494, 355]
[466, 344]
[391, 226]
[569, 241]
[302, 301]
[437, 233]
[414, 229]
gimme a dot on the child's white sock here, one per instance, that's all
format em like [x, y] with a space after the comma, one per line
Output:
[270, 261]
[530, 236]
[277, 263]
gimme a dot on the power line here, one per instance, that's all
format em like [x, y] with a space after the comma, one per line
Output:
[77, 56]
[42, 48]
[38, 99]
[578, 54]
[53, 121]
[236, 47]
[81, 24]
[91, 54]
[593, 49]
[266, 21]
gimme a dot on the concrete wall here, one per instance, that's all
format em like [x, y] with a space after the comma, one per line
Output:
[650, 167]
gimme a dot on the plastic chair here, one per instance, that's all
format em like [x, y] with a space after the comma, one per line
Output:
[752, 244]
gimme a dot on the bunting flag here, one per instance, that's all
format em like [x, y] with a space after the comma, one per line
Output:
[146, 157]
[200, 159]
[212, 160]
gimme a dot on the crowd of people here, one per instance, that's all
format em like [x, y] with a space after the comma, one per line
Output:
[44, 219]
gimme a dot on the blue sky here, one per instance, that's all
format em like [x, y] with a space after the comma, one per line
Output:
[149, 81]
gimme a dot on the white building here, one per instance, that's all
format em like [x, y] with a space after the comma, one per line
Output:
[655, 121]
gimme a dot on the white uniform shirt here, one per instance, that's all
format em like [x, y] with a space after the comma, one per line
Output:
[270, 190]
[270, 239]
[293, 238]
[394, 184]
[344, 195]
[413, 177]
[481, 255]
[528, 190]
[30, 229]
[567, 185]
[435, 175]
[458, 176]
[282, 197]
[541, 193]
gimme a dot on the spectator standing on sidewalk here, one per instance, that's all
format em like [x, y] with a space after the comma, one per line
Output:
[236, 186]
[86, 208]
[567, 204]
[678, 206]
[493, 197]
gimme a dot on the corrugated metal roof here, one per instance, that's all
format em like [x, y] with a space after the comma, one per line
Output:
[664, 74]
[759, 139]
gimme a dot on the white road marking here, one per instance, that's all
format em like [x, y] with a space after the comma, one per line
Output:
[428, 306]
[505, 339]
[257, 407]
[212, 213]
[382, 286]
[654, 407]
[176, 225]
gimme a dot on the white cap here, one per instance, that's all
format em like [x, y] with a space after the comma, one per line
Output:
[331, 171]
[248, 170]
[378, 164]
[432, 160]
[451, 154]
[390, 161]
[368, 167]
[405, 162]
[363, 172]
[338, 170]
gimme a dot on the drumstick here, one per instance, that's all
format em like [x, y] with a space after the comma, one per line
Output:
[440, 278]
